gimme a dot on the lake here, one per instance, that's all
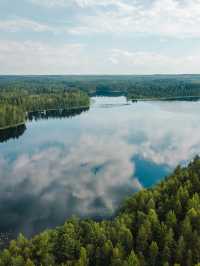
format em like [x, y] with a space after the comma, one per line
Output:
[85, 163]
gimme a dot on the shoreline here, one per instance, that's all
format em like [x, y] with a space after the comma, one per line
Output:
[12, 126]
[24, 122]
[183, 98]
[55, 109]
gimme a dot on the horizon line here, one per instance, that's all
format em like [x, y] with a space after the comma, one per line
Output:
[166, 74]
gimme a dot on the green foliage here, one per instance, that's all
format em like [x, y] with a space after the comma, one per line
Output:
[133, 260]
[153, 253]
[15, 105]
[10, 115]
[135, 87]
[20, 95]
[154, 227]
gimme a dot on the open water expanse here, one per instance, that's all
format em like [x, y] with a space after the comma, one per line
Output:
[86, 163]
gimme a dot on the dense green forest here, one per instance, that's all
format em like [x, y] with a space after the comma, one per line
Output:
[158, 227]
[22, 94]
[28, 101]
[153, 86]
[15, 104]
[11, 115]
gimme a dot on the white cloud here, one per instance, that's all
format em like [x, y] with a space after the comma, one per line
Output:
[168, 18]
[41, 58]
[124, 61]
[19, 24]
[163, 17]
[37, 57]
[78, 3]
[49, 3]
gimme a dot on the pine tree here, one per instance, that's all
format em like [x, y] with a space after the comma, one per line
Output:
[153, 253]
[133, 259]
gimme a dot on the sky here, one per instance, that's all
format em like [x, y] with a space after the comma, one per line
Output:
[99, 36]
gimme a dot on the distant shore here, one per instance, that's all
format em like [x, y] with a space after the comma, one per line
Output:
[164, 98]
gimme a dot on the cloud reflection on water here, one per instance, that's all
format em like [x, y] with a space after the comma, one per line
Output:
[89, 178]
[86, 165]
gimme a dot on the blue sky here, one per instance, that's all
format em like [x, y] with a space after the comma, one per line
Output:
[99, 37]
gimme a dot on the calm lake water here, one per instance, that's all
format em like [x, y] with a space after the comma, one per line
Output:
[88, 163]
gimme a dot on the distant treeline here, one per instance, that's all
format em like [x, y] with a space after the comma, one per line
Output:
[164, 89]
[154, 227]
[16, 103]
[22, 94]
[153, 86]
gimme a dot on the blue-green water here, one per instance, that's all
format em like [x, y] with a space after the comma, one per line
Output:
[87, 164]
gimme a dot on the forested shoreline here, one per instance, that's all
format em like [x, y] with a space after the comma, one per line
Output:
[158, 226]
[15, 105]
[22, 94]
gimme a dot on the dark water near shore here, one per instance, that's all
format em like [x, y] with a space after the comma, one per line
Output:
[87, 163]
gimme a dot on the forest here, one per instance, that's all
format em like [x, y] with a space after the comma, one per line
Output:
[16, 104]
[158, 226]
[20, 95]
[131, 86]
[11, 115]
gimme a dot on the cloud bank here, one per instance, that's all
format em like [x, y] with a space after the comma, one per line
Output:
[171, 18]
[118, 36]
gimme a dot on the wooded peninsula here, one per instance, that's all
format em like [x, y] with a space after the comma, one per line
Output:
[16, 104]
[158, 226]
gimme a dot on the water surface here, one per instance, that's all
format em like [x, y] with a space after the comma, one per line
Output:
[86, 164]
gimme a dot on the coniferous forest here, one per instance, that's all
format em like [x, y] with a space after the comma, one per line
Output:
[131, 86]
[22, 94]
[158, 227]
[15, 105]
